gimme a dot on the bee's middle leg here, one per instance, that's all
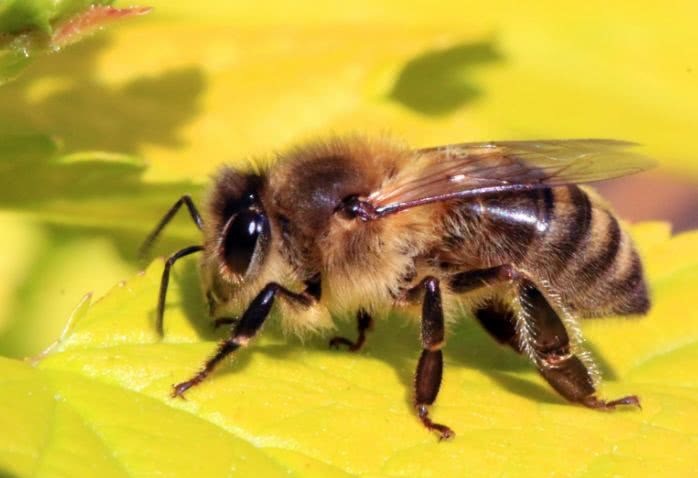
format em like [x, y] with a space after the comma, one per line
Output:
[364, 323]
[430, 366]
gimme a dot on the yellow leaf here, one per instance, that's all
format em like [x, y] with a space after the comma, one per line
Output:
[285, 407]
[193, 86]
[190, 87]
[29, 28]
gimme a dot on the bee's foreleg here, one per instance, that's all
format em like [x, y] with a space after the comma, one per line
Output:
[430, 366]
[552, 354]
[165, 281]
[364, 323]
[244, 330]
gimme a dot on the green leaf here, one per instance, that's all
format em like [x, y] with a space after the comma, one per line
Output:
[71, 223]
[98, 402]
[31, 27]
[12, 62]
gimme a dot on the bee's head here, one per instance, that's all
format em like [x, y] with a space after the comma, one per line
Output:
[240, 234]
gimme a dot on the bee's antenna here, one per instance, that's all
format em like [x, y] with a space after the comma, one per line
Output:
[164, 282]
[196, 217]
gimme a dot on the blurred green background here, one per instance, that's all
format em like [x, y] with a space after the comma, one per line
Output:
[98, 140]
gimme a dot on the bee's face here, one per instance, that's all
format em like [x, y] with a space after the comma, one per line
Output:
[241, 233]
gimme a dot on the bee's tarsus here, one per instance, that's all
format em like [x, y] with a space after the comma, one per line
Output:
[179, 389]
[594, 402]
[555, 359]
[549, 341]
[364, 323]
[444, 432]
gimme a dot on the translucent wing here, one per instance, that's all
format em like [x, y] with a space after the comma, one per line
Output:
[470, 169]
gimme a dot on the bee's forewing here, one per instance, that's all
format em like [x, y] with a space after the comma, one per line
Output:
[470, 169]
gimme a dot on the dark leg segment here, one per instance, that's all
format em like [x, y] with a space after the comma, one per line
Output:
[563, 370]
[164, 282]
[364, 322]
[430, 366]
[499, 321]
[496, 318]
[471, 280]
[193, 212]
[312, 290]
[248, 326]
[549, 339]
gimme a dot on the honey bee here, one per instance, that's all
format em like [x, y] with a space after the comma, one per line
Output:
[360, 226]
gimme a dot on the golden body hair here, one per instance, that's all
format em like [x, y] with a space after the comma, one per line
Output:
[565, 237]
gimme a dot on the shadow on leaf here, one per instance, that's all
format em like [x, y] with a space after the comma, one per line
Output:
[63, 94]
[95, 193]
[102, 193]
[439, 81]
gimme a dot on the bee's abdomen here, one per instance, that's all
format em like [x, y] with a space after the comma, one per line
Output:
[560, 235]
[498, 229]
[589, 259]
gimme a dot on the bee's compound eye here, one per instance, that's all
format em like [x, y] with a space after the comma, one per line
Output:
[241, 235]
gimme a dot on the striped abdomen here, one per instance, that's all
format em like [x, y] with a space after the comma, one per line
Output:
[562, 235]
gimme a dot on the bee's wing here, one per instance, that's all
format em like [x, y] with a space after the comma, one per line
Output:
[470, 169]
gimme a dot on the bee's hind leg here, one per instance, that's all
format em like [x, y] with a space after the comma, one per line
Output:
[495, 316]
[364, 323]
[539, 331]
[556, 362]
[499, 320]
